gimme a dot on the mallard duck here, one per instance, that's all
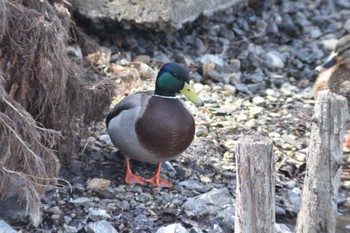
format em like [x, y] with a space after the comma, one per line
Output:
[154, 126]
[335, 73]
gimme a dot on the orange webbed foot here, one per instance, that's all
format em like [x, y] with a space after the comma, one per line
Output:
[157, 180]
[130, 178]
[134, 179]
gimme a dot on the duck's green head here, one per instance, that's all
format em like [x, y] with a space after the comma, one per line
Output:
[172, 79]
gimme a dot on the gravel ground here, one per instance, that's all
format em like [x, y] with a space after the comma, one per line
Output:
[254, 71]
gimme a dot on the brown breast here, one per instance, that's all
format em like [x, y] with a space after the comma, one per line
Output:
[166, 128]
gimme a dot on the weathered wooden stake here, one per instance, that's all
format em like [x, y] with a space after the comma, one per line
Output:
[318, 209]
[255, 200]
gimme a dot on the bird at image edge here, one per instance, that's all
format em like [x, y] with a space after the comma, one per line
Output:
[335, 74]
[154, 126]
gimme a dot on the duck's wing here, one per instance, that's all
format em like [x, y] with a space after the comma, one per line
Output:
[129, 102]
[339, 82]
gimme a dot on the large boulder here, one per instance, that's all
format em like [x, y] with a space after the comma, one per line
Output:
[155, 14]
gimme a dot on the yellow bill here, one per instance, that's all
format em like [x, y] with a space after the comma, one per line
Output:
[188, 91]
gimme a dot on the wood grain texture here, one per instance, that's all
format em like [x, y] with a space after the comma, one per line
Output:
[318, 209]
[255, 200]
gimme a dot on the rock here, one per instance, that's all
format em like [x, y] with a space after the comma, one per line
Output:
[293, 199]
[229, 90]
[315, 32]
[173, 228]
[227, 218]
[54, 210]
[329, 44]
[98, 214]
[105, 138]
[143, 58]
[192, 185]
[346, 184]
[78, 188]
[280, 211]
[343, 3]
[108, 193]
[210, 203]
[141, 221]
[160, 57]
[257, 100]
[282, 228]
[341, 200]
[100, 227]
[169, 168]
[80, 200]
[156, 14]
[211, 59]
[347, 25]
[6, 228]
[243, 88]
[55, 217]
[274, 59]
[201, 131]
[69, 229]
[251, 123]
[16, 212]
[256, 78]
[98, 183]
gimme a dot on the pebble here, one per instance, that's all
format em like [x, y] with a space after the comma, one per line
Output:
[55, 217]
[169, 168]
[99, 227]
[173, 228]
[211, 58]
[275, 59]
[315, 32]
[78, 188]
[69, 229]
[329, 44]
[80, 200]
[250, 124]
[54, 210]
[210, 203]
[183, 172]
[258, 100]
[243, 88]
[144, 197]
[192, 185]
[282, 228]
[346, 184]
[160, 57]
[143, 58]
[257, 78]
[5, 227]
[294, 198]
[280, 211]
[205, 179]
[98, 183]
[201, 131]
[105, 138]
[98, 214]
[229, 90]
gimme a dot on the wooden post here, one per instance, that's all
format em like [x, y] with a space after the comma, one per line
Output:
[318, 209]
[255, 200]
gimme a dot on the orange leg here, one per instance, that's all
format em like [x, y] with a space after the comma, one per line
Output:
[347, 141]
[157, 180]
[130, 178]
